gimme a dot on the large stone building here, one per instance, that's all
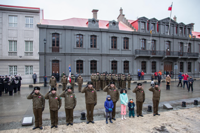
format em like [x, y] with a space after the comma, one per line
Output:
[19, 41]
[122, 46]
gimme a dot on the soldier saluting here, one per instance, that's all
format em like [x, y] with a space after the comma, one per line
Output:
[90, 100]
[70, 104]
[38, 106]
[53, 82]
[140, 98]
[156, 98]
[54, 105]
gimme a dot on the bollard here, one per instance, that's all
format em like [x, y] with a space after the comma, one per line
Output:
[195, 102]
[83, 116]
[149, 108]
[183, 104]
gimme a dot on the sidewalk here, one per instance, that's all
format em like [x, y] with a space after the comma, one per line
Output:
[183, 121]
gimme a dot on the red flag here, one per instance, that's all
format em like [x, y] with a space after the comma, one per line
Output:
[170, 8]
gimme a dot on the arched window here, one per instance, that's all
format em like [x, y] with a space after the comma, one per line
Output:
[126, 43]
[181, 67]
[79, 66]
[114, 42]
[114, 66]
[143, 66]
[93, 41]
[126, 66]
[93, 66]
[153, 66]
[189, 48]
[167, 47]
[143, 44]
[79, 41]
[55, 42]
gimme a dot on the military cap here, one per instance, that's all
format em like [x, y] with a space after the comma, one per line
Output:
[139, 84]
[53, 89]
[112, 82]
[90, 83]
[156, 83]
[36, 88]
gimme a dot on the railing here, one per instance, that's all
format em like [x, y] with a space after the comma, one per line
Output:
[165, 53]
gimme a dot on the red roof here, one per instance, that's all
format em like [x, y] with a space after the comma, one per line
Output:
[197, 34]
[82, 22]
[134, 23]
[20, 7]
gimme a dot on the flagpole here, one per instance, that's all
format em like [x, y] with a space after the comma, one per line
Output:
[170, 19]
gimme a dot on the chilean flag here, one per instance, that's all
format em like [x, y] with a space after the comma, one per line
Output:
[170, 8]
[69, 77]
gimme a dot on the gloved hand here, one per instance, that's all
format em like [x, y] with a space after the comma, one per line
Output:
[95, 104]
[32, 92]
[74, 107]
[143, 100]
[50, 91]
[136, 86]
[110, 109]
[42, 109]
[108, 85]
[58, 108]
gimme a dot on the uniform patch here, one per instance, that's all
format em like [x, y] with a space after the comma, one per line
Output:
[56, 97]
[114, 90]
[92, 91]
[39, 96]
[71, 96]
[159, 90]
[142, 91]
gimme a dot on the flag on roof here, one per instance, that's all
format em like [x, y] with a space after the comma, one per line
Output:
[170, 8]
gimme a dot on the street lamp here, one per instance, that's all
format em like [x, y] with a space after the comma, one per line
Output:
[45, 77]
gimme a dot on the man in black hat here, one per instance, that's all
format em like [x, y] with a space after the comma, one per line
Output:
[156, 98]
[90, 100]
[6, 81]
[38, 106]
[16, 81]
[140, 98]
[54, 106]
[70, 104]
[19, 83]
[112, 90]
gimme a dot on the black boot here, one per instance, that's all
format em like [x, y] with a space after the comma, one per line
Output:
[111, 120]
[106, 120]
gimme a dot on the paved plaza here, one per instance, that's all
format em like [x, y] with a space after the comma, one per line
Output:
[14, 108]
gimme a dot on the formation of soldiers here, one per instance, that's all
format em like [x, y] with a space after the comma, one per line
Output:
[100, 80]
[107, 82]
[10, 84]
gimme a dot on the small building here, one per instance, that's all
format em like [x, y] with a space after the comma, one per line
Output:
[19, 39]
[122, 46]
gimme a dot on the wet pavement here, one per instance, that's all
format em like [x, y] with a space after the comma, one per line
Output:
[14, 108]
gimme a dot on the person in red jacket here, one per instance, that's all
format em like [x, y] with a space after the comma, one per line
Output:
[185, 80]
[156, 75]
[142, 74]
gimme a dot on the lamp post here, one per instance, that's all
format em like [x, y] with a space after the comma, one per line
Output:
[45, 77]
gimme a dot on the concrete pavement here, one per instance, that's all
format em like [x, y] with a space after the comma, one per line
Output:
[14, 108]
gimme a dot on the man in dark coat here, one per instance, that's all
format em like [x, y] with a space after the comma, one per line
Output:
[19, 83]
[159, 78]
[57, 76]
[1, 85]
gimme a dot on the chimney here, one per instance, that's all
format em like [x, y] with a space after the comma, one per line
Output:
[94, 11]
[121, 11]
[174, 18]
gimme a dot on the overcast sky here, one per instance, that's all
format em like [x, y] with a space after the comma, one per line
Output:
[187, 11]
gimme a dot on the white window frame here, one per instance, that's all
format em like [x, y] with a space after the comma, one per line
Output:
[28, 70]
[29, 22]
[12, 21]
[12, 46]
[12, 70]
[28, 46]
[143, 25]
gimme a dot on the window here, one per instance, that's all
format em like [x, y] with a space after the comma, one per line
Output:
[181, 30]
[28, 70]
[114, 67]
[188, 31]
[181, 47]
[79, 66]
[126, 43]
[79, 41]
[93, 41]
[153, 45]
[29, 22]
[13, 46]
[126, 66]
[166, 28]
[142, 25]
[153, 67]
[189, 66]
[143, 44]
[28, 46]
[114, 42]
[189, 48]
[181, 67]
[167, 47]
[152, 27]
[143, 66]
[12, 21]
[55, 42]
[93, 66]
[12, 70]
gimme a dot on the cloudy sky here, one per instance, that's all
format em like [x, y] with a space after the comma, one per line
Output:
[187, 11]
